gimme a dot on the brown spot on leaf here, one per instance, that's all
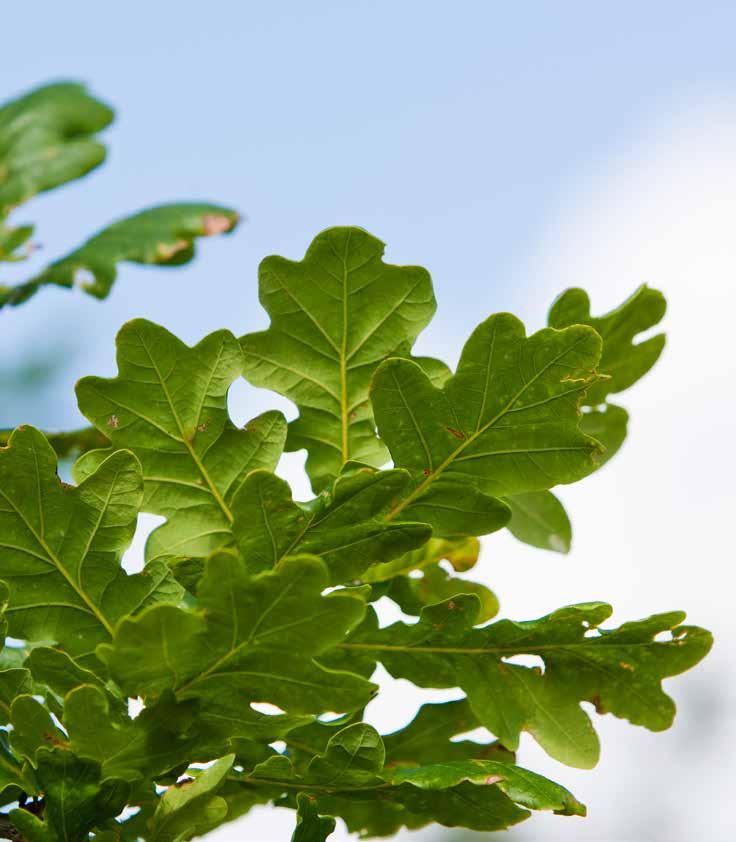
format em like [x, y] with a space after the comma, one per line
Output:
[426, 472]
[457, 433]
[451, 605]
[165, 251]
[625, 666]
[493, 779]
[596, 700]
[203, 426]
[215, 223]
[113, 422]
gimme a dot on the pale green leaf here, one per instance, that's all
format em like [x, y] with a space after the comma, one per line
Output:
[47, 138]
[433, 585]
[192, 807]
[538, 518]
[335, 316]
[462, 553]
[33, 727]
[162, 236]
[431, 738]
[623, 360]
[169, 406]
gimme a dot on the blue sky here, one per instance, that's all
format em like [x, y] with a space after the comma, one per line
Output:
[452, 131]
[513, 150]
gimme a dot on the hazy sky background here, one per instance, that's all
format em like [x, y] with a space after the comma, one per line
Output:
[513, 150]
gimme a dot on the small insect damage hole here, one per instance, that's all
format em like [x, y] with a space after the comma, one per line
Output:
[135, 706]
[477, 735]
[84, 278]
[266, 708]
[533, 662]
[330, 716]
[128, 813]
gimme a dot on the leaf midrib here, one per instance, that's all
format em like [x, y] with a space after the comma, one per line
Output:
[184, 439]
[51, 556]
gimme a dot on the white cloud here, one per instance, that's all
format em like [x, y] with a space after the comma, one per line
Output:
[654, 530]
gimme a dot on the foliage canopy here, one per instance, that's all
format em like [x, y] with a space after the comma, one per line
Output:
[255, 615]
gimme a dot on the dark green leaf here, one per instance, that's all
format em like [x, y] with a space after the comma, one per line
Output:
[620, 670]
[479, 794]
[344, 526]
[506, 423]
[310, 826]
[253, 639]
[62, 546]
[76, 800]
[427, 738]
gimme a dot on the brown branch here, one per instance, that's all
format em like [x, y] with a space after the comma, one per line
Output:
[8, 830]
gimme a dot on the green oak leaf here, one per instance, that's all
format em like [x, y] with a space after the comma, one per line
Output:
[310, 826]
[344, 526]
[431, 738]
[159, 739]
[54, 669]
[169, 406]
[435, 584]
[252, 639]
[47, 138]
[61, 547]
[538, 518]
[506, 423]
[462, 553]
[163, 236]
[619, 670]
[76, 800]
[335, 316]
[477, 793]
[14, 680]
[608, 424]
[192, 807]
[623, 361]
[68, 443]
[11, 240]
[33, 727]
